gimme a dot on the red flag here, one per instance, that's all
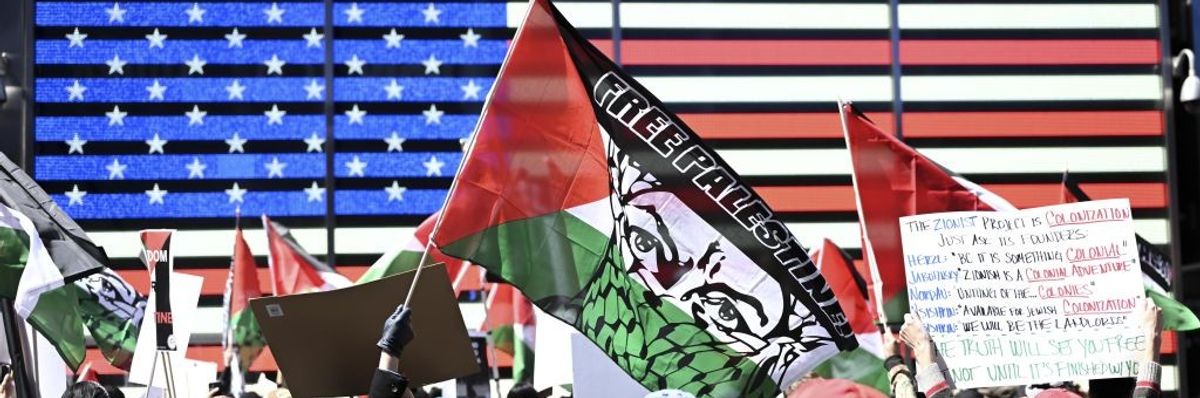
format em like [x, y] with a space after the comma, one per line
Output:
[242, 335]
[510, 324]
[891, 180]
[293, 270]
[847, 284]
[244, 273]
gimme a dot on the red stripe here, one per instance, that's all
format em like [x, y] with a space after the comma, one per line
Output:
[1032, 124]
[772, 125]
[752, 52]
[1168, 343]
[1142, 195]
[1147, 384]
[1028, 52]
[1149, 195]
[936, 388]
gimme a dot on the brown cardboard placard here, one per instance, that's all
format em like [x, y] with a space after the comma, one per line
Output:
[324, 342]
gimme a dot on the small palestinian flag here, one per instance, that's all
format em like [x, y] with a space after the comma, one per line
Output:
[404, 258]
[863, 365]
[606, 211]
[510, 325]
[293, 270]
[242, 335]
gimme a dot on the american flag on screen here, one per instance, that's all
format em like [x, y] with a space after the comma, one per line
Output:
[1006, 100]
[176, 114]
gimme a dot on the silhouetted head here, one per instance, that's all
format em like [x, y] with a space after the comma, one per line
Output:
[85, 389]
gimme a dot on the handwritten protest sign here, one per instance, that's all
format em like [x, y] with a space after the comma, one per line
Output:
[1028, 296]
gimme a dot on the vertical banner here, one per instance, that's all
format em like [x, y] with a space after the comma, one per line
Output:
[1028, 296]
[156, 254]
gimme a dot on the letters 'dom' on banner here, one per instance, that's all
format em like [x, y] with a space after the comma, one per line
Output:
[1028, 296]
[156, 254]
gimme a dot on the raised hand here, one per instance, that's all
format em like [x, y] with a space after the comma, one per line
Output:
[397, 332]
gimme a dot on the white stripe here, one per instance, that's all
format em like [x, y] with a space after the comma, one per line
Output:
[1028, 16]
[1050, 160]
[676, 89]
[1031, 88]
[581, 15]
[199, 243]
[40, 274]
[785, 162]
[736, 15]
[377, 240]
[778, 162]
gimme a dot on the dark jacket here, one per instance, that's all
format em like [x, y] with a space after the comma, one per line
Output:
[388, 384]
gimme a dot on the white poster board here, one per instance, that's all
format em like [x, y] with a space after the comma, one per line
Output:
[185, 298]
[602, 377]
[1030, 296]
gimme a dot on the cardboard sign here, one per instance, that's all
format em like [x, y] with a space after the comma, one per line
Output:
[160, 261]
[1028, 296]
[324, 342]
[185, 298]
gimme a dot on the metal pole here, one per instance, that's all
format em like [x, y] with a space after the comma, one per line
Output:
[616, 31]
[20, 367]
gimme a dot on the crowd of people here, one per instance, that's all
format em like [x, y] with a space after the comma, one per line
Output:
[928, 379]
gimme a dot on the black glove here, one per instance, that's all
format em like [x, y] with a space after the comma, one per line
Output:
[397, 332]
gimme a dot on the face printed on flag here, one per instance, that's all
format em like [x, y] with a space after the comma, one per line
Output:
[681, 258]
[609, 213]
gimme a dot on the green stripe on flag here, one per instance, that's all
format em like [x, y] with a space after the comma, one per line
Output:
[14, 253]
[393, 263]
[549, 256]
[1175, 315]
[56, 317]
[245, 330]
[859, 365]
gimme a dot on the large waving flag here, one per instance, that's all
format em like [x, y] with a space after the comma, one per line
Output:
[293, 270]
[863, 365]
[510, 325]
[1156, 270]
[892, 180]
[609, 213]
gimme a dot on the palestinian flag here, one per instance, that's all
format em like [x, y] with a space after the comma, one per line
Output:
[112, 311]
[510, 326]
[43, 251]
[609, 213]
[242, 335]
[404, 258]
[293, 270]
[1156, 270]
[863, 365]
[892, 180]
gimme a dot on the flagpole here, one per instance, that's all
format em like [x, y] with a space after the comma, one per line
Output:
[470, 146]
[868, 253]
[16, 352]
